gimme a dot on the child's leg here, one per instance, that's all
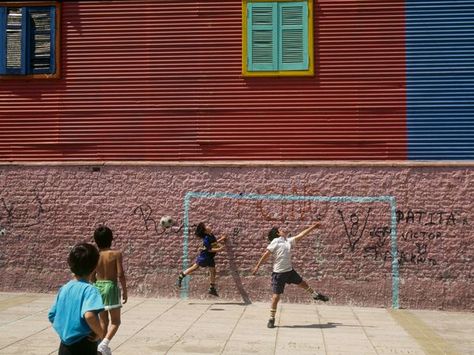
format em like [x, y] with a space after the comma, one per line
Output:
[190, 270]
[186, 272]
[114, 323]
[104, 320]
[212, 281]
[316, 295]
[273, 309]
[304, 285]
[275, 300]
[212, 276]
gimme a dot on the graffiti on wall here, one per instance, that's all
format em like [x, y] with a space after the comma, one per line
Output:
[418, 230]
[147, 216]
[23, 213]
[354, 227]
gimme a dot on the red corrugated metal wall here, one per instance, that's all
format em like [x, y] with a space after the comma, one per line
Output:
[161, 80]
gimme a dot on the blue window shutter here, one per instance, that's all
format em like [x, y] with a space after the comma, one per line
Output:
[41, 40]
[262, 36]
[293, 36]
[3, 44]
[15, 40]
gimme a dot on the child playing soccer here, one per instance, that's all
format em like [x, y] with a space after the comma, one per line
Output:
[109, 269]
[74, 314]
[283, 273]
[206, 256]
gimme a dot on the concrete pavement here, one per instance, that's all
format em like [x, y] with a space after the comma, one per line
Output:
[216, 326]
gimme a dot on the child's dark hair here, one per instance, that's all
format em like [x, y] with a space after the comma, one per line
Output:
[200, 230]
[83, 259]
[103, 237]
[273, 233]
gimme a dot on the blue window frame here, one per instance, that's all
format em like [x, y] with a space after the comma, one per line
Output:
[28, 40]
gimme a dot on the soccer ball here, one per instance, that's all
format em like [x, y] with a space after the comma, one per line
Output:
[166, 222]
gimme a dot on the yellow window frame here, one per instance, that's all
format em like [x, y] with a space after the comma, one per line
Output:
[247, 73]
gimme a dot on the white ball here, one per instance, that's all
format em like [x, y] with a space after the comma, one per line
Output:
[166, 222]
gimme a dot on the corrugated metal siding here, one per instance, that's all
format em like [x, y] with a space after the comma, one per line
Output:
[161, 80]
[440, 79]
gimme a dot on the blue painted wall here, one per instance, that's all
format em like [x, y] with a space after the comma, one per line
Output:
[440, 79]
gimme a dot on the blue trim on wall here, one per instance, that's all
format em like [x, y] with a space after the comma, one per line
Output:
[275, 197]
[440, 79]
[52, 60]
[3, 40]
[25, 41]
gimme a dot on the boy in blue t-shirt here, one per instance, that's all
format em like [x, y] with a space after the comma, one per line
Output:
[210, 246]
[74, 314]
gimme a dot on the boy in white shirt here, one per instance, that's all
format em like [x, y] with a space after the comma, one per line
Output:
[283, 272]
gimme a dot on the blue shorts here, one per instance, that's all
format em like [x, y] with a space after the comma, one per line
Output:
[205, 262]
[280, 279]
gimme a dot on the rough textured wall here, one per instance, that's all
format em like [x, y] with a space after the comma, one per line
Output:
[45, 210]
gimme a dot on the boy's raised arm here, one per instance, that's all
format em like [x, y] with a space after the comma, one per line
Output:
[263, 258]
[306, 231]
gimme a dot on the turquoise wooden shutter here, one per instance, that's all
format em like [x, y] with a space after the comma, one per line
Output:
[262, 40]
[293, 36]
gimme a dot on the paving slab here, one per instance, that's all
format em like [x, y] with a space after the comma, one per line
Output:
[187, 326]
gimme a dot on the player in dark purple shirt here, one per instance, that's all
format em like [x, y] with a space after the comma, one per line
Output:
[210, 246]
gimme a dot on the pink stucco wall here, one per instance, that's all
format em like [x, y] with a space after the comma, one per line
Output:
[44, 210]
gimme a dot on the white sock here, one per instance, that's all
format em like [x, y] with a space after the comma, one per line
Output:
[105, 341]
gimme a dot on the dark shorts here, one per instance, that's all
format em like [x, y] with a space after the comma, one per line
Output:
[280, 279]
[82, 347]
[205, 262]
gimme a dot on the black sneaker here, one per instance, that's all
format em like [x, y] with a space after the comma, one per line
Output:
[271, 323]
[213, 291]
[320, 297]
[179, 281]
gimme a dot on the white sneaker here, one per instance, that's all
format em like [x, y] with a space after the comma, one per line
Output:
[104, 349]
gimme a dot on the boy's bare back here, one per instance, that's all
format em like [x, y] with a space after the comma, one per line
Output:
[110, 265]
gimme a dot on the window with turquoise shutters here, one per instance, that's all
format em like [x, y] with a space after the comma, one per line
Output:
[277, 36]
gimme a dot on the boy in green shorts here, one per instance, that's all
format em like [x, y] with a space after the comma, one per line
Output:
[109, 270]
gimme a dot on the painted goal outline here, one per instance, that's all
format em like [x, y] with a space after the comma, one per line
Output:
[275, 197]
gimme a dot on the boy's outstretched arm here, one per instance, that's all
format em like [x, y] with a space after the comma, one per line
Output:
[222, 239]
[121, 277]
[263, 258]
[306, 231]
[217, 249]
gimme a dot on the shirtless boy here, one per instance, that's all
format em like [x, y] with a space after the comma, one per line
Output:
[109, 270]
